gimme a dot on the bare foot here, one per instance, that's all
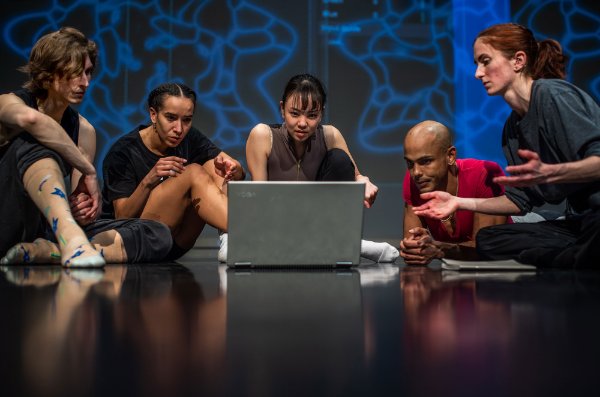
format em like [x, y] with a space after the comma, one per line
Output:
[40, 251]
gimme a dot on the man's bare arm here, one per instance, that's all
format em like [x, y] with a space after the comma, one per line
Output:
[16, 116]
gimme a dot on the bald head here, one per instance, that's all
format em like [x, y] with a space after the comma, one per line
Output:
[429, 133]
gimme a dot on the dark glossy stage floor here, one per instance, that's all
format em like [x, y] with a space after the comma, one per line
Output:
[198, 329]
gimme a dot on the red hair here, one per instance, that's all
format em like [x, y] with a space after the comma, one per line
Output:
[545, 59]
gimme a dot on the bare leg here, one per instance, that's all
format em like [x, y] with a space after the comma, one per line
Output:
[109, 244]
[44, 184]
[193, 200]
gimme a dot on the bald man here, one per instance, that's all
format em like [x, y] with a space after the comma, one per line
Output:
[432, 165]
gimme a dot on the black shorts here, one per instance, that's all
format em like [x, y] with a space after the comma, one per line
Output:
[144, 240]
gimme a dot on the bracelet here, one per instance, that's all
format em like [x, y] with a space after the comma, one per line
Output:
[449, 218]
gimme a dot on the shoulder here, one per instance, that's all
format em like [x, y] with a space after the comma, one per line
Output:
[333, 137]
[196, 138]
[195, 132]
[557, 90]
[260, 134]
[558, 98]
[330, 131]
[85, 127]
[261, 130]
[552, 85]
[477, 178]
[126, 143]
[476, 166]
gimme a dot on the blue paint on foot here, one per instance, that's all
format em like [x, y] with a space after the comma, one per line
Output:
[26, 257]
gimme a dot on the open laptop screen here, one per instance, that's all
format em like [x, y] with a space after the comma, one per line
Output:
[295, 223]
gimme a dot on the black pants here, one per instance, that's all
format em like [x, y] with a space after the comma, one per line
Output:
[336, 166]
[22, 221]
[569, 243]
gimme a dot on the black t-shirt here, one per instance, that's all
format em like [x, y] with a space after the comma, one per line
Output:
[128, 161]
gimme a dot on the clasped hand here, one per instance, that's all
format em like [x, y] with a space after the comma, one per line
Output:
[85, 200]
[419, 248]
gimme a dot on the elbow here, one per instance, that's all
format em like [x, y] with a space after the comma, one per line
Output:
[27, 119]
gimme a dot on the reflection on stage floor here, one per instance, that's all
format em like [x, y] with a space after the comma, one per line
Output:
[197, 328]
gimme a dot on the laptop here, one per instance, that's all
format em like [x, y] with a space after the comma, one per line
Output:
[283, 224]
[508, 264]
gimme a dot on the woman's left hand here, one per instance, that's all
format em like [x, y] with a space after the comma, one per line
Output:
[533, 172]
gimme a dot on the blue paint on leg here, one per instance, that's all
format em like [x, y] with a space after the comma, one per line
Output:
[59, 193]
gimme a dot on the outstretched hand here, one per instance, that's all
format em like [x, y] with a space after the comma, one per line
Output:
[532, 172]
[225, 168]
[439, 205]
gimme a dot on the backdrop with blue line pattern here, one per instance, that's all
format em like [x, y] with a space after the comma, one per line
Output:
[386, 64]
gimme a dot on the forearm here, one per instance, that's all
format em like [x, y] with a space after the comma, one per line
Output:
[500, 205]
[460, 251]
[49, 133]
[133, 206]
[586, 170]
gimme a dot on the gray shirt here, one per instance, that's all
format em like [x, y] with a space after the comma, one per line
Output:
[561, 125]
[282, 164]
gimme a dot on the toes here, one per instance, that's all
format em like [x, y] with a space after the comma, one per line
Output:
[13, 256]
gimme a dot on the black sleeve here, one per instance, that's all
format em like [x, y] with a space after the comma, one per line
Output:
[573, 119]
[119, 177]
[523, 197]
[201, 148]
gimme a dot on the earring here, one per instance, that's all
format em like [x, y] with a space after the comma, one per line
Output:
[154, 127]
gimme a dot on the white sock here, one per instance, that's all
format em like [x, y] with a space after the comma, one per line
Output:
[222, 255]
[378, 252]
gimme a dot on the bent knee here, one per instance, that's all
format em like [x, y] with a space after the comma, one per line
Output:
[196, 172]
